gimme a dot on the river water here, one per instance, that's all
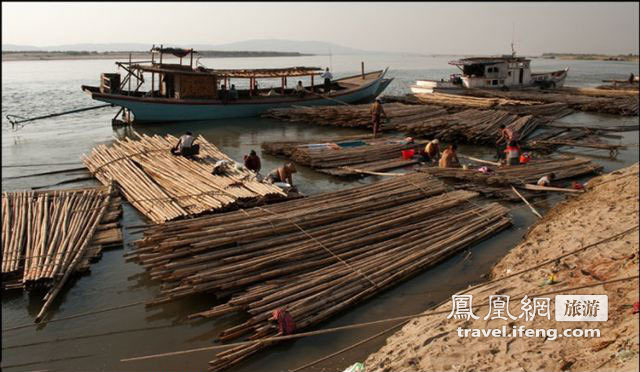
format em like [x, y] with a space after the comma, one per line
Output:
[98, 342]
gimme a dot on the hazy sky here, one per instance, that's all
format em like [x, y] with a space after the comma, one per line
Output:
[456, 28]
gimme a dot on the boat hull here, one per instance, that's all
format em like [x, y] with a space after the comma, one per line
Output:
[167, 110]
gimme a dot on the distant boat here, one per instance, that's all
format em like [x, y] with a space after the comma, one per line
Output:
[506, 72]
[183, 93]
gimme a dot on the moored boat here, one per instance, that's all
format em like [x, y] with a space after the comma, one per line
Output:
[180, 92]
[506, 72]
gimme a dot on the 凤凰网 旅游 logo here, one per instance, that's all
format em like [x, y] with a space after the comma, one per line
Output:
[582, 308]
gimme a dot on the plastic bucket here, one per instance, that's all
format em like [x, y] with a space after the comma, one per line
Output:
[408, 154]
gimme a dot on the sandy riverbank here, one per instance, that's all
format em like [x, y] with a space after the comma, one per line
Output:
[609, 207]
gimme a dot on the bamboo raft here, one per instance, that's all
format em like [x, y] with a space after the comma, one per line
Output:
[519, 175]
[50, 235]
[473, 126]
[164, 187]
[374, 155]
[355, 116]
[316, 256]
[466, 102]
[626, 105]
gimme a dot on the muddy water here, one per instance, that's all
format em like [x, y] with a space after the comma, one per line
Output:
[98, 342]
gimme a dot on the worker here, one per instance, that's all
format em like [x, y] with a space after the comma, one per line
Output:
[327, 76]
[223, 94]
[376, 112]
[282, 174]
[431, 151]
[506, 135]
[449, 158]
[299, 90]
[252, 162]
[546, 180]
[513, 153]
[186, 146]
[233, 93]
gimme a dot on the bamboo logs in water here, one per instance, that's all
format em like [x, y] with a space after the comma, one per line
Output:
[518, 175]
[46, 233]
[627, 106]
[370, 154]
[164, 187]
[473, 126]
[316, 256]
[355, 115]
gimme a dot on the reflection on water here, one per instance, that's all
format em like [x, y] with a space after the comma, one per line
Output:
[36, 88]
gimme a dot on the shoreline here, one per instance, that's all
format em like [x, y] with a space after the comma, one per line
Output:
[609, 207]
[55, 56]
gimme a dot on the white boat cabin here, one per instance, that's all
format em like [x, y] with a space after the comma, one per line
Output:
[506, 72]
[494, 72]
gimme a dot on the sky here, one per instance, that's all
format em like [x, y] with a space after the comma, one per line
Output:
[429, 28]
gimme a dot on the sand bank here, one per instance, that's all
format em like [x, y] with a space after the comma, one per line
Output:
[609, 207]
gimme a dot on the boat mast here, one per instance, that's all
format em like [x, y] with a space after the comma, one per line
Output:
[513, 31]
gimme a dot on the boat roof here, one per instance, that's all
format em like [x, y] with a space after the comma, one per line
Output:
[486, 60]
[232, 73]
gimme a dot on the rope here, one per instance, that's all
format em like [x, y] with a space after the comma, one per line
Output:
[38, 165]
[86, 336]
[14, 122]
[605, 240]
[75, 316]
[350, 347]
[323, 246]
[356, 325]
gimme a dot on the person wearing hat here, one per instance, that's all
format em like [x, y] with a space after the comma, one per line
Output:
[252, 162]
[376, 113]
[282, 174]
[186, 146]
[431, 151]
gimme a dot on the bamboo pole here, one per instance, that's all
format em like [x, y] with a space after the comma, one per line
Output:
[525, 200]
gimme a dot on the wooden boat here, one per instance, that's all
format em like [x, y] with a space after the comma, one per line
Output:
[507, 72]
[184, 93]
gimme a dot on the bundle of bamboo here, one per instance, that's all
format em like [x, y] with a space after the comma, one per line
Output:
[473, 126]
[163, 186]
[47, 234]
[624, 90]
[466, 102]
[331, 158]
[355, 115]
[563, 168]
[626, 105]
[315, 256]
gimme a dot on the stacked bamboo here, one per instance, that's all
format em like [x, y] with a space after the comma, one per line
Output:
[47, 234]
[357, 116]
[473, 126]
[600, 92]
[563, 168]
[375, 155]
[164, 187]
[626, 105]
[466, 102]
[620, 86]
[317, 256]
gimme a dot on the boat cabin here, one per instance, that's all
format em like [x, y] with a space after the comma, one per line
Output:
[493, 72]
[183, 81]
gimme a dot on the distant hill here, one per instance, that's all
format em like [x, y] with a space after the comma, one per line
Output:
[277, 45]
[271, 45]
